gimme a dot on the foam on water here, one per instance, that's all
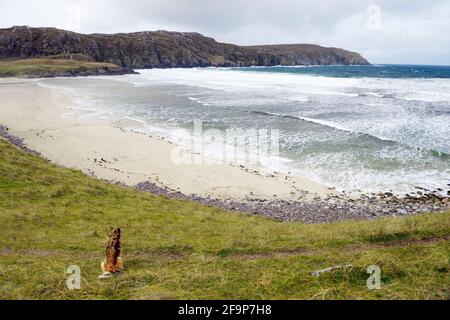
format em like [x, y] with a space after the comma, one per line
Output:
[364, 133]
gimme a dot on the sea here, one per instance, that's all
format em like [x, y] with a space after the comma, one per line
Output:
[371, 128]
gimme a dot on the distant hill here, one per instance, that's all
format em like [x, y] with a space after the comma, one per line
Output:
[162, 49]
[57, 67]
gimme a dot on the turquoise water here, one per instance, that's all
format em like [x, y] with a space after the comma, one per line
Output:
[370, 128]
[374, 71]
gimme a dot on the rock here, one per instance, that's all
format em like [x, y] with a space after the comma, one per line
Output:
[93, 234]
[162, 49]
[319, 272]
[105, 275]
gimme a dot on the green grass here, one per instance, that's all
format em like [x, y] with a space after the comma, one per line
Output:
[31, 67]
[52, 217]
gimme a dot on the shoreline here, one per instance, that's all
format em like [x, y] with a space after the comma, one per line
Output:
[106, 151]
[76, 74]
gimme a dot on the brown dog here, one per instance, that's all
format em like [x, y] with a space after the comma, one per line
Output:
[113, 263]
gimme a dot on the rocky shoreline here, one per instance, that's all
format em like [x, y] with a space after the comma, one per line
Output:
[17, 142]
[79, 73]
[322, 210]
[336, 207]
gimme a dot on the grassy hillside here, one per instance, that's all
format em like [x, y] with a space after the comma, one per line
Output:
[52, 217]
[42, 67]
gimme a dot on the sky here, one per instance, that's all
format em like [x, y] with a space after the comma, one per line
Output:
[383, 31]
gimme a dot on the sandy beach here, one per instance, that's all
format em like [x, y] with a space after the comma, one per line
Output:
[105, 150]
[40, 117]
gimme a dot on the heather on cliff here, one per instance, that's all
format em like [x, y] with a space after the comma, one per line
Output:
[162, 49]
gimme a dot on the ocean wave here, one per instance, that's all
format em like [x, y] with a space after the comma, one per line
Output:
[364, 133]
[340, 127]
[197, 100]
[372, 94]
[135, 119]
[325, 123]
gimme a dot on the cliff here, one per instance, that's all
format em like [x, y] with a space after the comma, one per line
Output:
[161, 49]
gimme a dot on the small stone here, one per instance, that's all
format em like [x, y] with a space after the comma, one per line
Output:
[105, 275]
[93, 234]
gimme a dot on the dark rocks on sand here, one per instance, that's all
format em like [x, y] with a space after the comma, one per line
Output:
[320, 210]
[17, 142]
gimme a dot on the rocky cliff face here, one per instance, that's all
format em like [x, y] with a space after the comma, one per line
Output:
[162, 49]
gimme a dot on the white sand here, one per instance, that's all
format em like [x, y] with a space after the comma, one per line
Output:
[35, 114]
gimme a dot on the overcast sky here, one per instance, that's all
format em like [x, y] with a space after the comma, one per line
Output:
[383, 31]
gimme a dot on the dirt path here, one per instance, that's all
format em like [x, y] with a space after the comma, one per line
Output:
[246, 256]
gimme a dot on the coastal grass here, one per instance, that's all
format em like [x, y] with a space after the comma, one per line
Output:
[52, 217]
[37, 67]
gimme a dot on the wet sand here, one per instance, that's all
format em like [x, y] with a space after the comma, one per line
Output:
[32, 118]
[105, 150]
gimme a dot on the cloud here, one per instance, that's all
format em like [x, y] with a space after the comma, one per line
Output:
[410, 31]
